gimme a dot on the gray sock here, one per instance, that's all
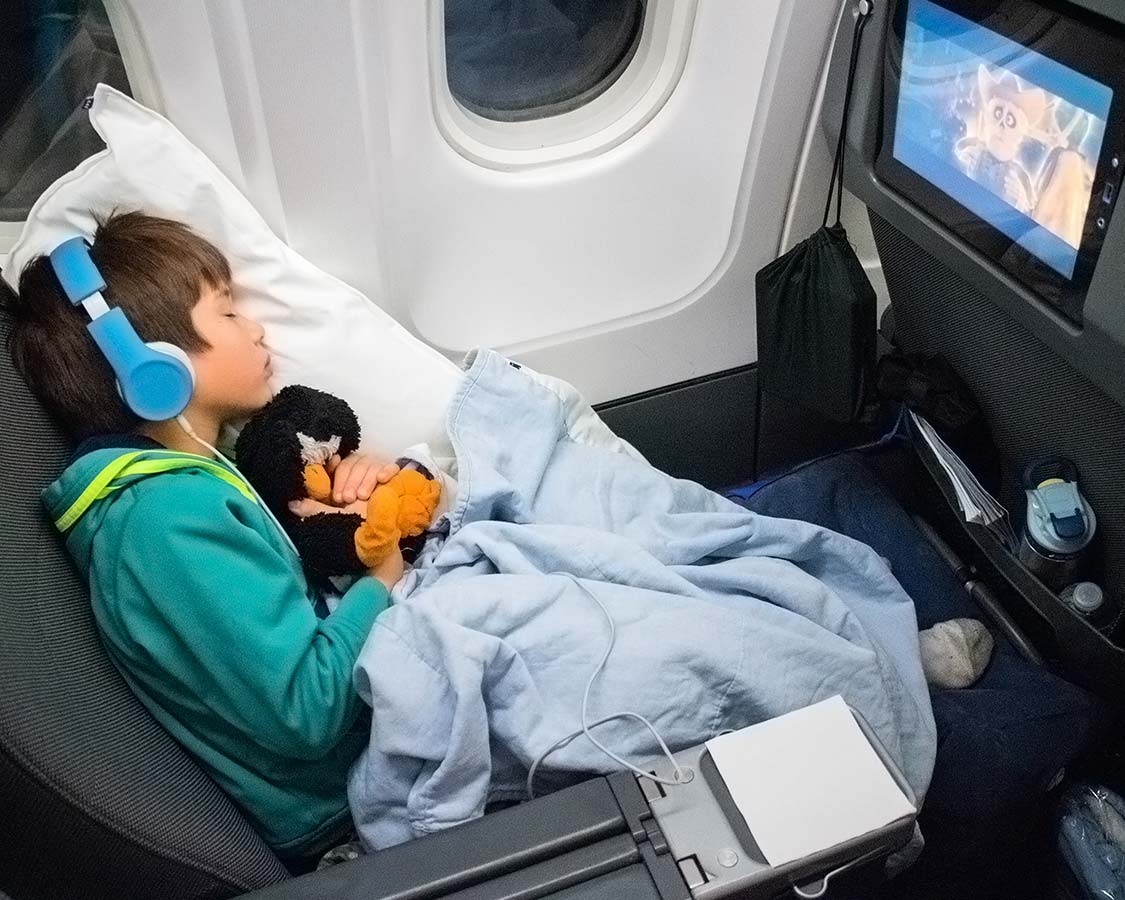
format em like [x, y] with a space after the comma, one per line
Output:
[955, 653]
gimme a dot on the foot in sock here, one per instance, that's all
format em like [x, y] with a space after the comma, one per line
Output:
[955, 653]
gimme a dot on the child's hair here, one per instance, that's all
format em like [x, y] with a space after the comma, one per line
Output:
[154, 271]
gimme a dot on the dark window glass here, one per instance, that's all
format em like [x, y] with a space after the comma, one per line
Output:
[515, 60]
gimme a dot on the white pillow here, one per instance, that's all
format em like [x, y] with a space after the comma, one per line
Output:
[319, 331]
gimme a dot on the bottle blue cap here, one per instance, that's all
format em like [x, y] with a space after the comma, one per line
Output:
[1059, 520]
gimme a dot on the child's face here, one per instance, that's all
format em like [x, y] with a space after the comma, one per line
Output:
[231, 378]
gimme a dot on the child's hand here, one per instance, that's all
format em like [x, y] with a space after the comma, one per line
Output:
[389, 570]
[357, 476]
[306, 507]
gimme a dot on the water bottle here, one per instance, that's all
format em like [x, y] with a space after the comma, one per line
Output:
[1059, 524]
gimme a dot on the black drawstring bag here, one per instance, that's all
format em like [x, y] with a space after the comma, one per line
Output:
[816, 308]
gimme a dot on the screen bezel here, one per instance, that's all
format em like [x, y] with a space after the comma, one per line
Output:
[1075, 41]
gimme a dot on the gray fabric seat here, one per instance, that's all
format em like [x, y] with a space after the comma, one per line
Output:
[96, 799]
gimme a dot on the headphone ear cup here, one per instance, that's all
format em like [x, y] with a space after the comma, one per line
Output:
[176, 352]
[156, 380]
[172, 350]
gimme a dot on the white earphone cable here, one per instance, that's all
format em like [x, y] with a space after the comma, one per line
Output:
[186, 426]
[680, 774]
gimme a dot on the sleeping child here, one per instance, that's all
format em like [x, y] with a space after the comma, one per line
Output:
[200, 601]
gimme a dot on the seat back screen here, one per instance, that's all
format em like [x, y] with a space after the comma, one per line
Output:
[1000, 128]
[1011, 134]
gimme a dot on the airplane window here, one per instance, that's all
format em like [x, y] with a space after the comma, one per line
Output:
[516, 60]
[54, 52]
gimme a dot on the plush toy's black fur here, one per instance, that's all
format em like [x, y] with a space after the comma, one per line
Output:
[327, 543]
[269, 455]
[268, 452]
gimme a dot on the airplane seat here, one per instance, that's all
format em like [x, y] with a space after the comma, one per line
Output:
[100, 801]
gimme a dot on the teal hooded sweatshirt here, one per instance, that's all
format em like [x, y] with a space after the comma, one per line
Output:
[205, 611]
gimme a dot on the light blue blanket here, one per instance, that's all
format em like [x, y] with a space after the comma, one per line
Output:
[723, 618]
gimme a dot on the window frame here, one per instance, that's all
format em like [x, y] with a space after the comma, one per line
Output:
[613, 115]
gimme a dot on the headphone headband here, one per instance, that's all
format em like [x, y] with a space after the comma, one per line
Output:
[76, 271]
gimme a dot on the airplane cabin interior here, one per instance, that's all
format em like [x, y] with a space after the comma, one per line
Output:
[687, 457]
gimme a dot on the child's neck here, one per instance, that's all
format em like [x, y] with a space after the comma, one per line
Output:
[173, 436]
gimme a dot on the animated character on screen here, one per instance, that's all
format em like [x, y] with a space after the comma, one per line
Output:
[994, 152]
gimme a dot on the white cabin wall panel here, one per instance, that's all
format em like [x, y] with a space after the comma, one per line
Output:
[184, 59]
[814, 166]
[717, 330]
[806, 209]
[621, 272]
[197, 51]
[231, 34]
[810, 192]
[630, 231]
[307, 80]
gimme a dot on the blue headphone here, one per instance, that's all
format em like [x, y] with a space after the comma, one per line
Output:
[156, 379]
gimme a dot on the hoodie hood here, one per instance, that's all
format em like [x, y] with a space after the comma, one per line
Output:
[99, 474]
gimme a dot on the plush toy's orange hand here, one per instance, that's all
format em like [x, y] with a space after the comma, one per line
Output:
[403, 507]
[318, 484]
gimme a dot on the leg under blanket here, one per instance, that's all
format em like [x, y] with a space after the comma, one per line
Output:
[723, 618]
